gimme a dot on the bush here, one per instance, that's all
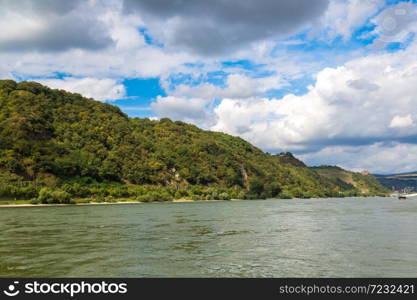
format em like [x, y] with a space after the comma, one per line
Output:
[181, 194]
[109, 199]
[45, 195]
[85, 200]
[76, 190]
[48, 196]
[224, 196]
[251, 196]
[34, 201]
[155, 196]
[256, 186]
[271, 190]
[264, 195]
[196, 197]
[146, 198]
[215, 195]
[61, 196]
[18, 192]
[285, 195]
[241, 195]
[118, 192]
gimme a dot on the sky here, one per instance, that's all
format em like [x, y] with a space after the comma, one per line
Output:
[333, 81]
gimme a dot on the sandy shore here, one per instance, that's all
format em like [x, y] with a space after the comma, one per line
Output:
[183, 200]
[109, 203]
[187, 200]
[75, 204]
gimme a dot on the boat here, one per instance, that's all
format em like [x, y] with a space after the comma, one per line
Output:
[407, 196]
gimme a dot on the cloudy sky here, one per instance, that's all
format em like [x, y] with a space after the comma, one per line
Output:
[333, 81]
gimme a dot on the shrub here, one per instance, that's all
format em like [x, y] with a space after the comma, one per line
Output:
[285, 195]
[118, 192]
[45, 195]
[181, 194]
[256, 186]
[48, 196]
[61, 196]
[34, 201]
[224, 196]
[109, 199]
[241, 195]
[85, 200]
[264, 195]
[271, 190]
[18, 192]
[214, 195]
[252, 196]
[154, 196]
[196, 197]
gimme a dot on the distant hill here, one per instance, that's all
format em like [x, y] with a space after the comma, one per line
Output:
[61, 141]
[363, 182]
[402, 181]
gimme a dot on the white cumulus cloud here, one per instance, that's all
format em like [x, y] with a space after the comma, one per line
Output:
[192, 110]
[378, 158]
[401, 121]
[360, 102]
[343, 17]
[99, 89]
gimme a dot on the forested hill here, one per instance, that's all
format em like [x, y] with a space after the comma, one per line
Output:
[56, 141]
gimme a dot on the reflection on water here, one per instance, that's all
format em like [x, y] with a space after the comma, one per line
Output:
[352, 237]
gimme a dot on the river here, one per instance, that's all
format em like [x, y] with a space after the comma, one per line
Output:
[350, 237]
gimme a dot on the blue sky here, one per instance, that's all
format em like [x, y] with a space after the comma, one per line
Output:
[139, 95]
[141, 92]
[331, 80]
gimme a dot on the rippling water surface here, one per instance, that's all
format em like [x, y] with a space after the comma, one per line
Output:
[351, 237]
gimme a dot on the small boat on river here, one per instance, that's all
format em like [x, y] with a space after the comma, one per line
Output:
[407, 196]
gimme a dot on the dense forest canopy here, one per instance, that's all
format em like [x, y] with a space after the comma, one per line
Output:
[52, 141]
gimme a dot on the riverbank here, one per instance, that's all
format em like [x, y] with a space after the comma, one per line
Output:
[26, 203]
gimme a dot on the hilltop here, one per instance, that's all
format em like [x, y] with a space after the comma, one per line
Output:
[56, 146]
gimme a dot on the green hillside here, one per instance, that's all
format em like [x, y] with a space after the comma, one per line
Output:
[56, 146]
[348, 180]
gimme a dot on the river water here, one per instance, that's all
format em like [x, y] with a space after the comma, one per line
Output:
[350, 237]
